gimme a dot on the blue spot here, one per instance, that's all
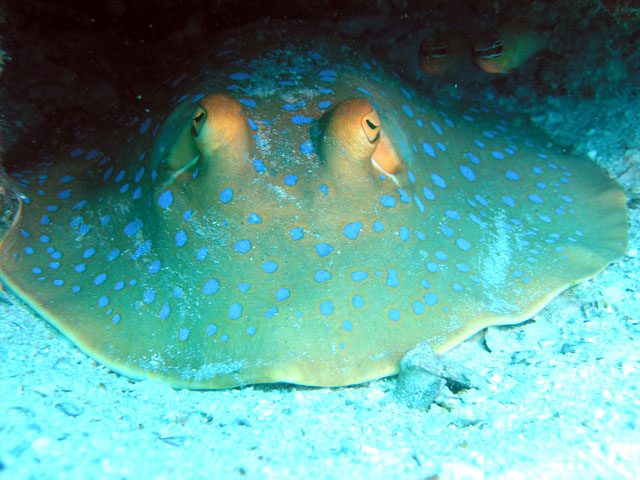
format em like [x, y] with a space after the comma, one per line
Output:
[479, 143]
[537, 170]
[29, 250]
[36, 270]
[251, 330]
[239, 76]
[452, 214]
[272, 312]
[137, 193]
[301, 119]
[181, 239]
[296, 233]
[177, 292]
[324, 104]
[248, 102]
[254, 218]
[347, 326]
[411, 176]
[141, 250]
[359, 276]
[544, 218]
[103, 301]
[211, 286]
[165, 311]
[323, 249]
[54, 265]
[155, 266]
[183, 334]
[441, 146]
[388, 201]
[235, 310]
[526, 280]
[64, 194]
[242, 246]
[506, 199]
[366, 92]
[456, 287]
[100, 279]
[463, 244]
[428, 194]
[258, 166]
[290, 180]
[428, 149]
[226, 195]
[269, 266]
[306, 147]
[252, 124]
[89, 252]
[201, 254]
[394, 315]
[431, 298]
[432, 267]
[404, 198]
[535, 198]
[440, 255]
[325, 90]
[418, 307]
[45, 238]
[447, 231]
[378, 226]
[407, 110]
[81, 267]
[436, 127]
[438, 180]
[187, 214]
[149, 296]
[392, 278]
[58, 282]
[357, 301]
[119, 285]
[324, 189]
[211, 330]
[326, 308]
[352, 230]
[426, 284]
[463, 267]
[511, 175]
[133, 227]
[404, 234]
[467, 173]
[321, 276]
[244, 287]
[282, 294]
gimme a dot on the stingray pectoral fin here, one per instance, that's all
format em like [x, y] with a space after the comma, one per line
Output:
[351, 132]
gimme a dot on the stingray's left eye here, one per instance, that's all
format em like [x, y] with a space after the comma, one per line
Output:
[198, 122]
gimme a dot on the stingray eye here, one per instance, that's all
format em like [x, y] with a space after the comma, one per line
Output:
[371, 126]
[198, 121]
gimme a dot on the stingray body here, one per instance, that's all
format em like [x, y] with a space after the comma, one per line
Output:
[293, 212]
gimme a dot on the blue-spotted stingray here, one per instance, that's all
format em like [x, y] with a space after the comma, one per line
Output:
[295, 212]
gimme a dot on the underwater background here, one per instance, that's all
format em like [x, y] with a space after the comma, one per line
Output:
[555, 397]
